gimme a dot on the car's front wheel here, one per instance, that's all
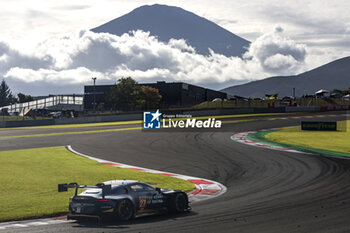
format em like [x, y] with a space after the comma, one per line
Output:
[180, 203]
[124, 210]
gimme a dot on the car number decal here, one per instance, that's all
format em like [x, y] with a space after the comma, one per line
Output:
[142, 202]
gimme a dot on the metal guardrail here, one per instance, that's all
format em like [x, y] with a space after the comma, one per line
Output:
[46, 103]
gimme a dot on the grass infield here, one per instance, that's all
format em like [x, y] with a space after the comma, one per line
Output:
[29, 178]
[69, 133]
[336, 141]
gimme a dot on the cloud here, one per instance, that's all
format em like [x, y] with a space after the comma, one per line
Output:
[71, 7]
[10, 57]
[63, 77]
[278, 29]
[317, 20]
[72, 61]
[280, 62]
[277, 53]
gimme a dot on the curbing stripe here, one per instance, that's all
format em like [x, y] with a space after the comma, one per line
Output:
[258, 138]
[282, 147]
[242, 138]
[31, 223]
[205, 189]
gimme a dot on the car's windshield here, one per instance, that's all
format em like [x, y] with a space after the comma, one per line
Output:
[141, 187]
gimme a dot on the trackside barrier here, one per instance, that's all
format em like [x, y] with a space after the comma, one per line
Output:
[216, 112]
[335, 108]
[303, 109]
[138, 116]
[96, 119]
[270, 110]
[9, 124]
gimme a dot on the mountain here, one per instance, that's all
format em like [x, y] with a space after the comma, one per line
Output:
[333, 75]
[168, 22]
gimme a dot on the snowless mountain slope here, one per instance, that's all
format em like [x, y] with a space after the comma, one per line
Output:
[333, 75]
[168, 22]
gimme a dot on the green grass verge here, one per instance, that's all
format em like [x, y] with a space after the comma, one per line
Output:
[29, 178]
[69, 133]
[334, 141]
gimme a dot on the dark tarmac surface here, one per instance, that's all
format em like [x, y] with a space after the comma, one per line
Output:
[267, 190]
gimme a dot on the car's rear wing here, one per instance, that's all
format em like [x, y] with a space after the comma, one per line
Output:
[105, 188]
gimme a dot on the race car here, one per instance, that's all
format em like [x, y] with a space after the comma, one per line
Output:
[124, 199]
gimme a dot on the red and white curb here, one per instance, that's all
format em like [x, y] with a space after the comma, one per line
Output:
[32, 223]
[242, 138]
[205, 189]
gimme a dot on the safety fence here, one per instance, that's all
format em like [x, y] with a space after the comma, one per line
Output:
[46, 103]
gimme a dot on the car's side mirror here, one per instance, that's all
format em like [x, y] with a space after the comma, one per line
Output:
[158, 190]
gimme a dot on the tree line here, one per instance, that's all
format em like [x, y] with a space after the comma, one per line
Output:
[7, 98]
[341, 92]
[129, 95]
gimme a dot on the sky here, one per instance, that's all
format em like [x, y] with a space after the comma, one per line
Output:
[46, 46]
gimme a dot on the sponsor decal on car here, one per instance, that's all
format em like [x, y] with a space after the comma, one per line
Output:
[157, 199]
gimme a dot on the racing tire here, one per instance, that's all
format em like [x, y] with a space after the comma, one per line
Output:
[179, 203]
[125, 210]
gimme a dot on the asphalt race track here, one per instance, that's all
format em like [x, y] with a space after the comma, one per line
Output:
[267, 190]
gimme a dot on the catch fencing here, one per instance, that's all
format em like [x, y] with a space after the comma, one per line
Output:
[58, 102]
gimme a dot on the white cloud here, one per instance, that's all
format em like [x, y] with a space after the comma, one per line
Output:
[181, 44]
[277, 53]
[72, 61]
[52, 77]
[280, 62]
[10, 57]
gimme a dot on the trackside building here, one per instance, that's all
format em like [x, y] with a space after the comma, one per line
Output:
[175, 94]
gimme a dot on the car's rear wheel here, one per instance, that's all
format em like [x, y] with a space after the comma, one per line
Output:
[124, 210]
[179, 203]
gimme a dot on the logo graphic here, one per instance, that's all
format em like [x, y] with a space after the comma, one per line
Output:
[151, 120]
